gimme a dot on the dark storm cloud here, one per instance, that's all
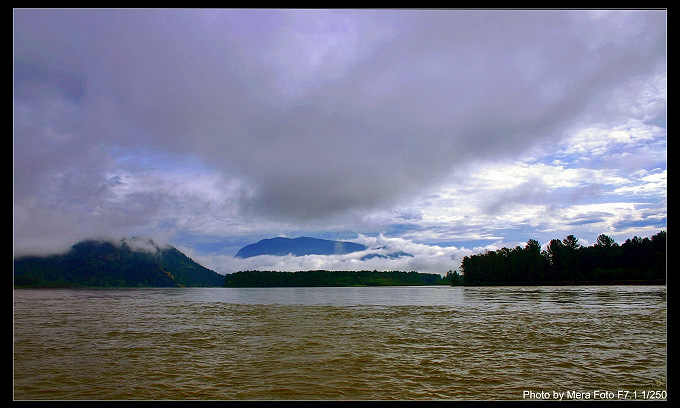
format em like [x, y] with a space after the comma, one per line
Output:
[320, 112]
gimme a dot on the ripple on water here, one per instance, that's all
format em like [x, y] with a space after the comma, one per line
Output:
[478, 344]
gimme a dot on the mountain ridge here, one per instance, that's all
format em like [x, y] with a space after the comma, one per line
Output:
[301, 246]
[125, 263]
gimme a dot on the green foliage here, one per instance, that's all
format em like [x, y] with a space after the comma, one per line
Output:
[453, 278]
[319, 278]
[566, 261]
[105, 264]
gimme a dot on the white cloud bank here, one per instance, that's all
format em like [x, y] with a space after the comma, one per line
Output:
[426, 258]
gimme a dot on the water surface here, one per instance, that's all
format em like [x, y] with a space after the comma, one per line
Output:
[364, 343]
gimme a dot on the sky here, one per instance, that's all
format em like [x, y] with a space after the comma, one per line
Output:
[441, 133]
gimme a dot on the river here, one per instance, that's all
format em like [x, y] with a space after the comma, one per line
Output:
[351, 343]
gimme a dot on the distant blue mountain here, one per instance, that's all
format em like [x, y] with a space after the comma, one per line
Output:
[298, 247]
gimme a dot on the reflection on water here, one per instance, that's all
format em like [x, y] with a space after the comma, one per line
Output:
[338, 343]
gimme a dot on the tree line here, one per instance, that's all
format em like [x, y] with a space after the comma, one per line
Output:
[566, 261]
[319, 278]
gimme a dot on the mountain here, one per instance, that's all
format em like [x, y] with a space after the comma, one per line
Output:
[313, 246]
[126, 263]
[392, 255]
[298, 247]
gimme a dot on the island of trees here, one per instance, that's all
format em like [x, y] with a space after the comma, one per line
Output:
[637, 260]
[331, 278]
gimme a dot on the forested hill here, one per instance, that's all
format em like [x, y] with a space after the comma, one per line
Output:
[330, 278]
[128, 263]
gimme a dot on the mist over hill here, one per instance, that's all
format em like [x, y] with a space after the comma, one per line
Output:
[125, 263]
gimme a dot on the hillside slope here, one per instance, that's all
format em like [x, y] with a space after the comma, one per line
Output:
[126, 263]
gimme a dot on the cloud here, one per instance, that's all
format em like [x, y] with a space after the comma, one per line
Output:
[233, 122]
[426, 258]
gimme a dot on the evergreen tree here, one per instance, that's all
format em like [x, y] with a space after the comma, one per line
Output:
[568, 261]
